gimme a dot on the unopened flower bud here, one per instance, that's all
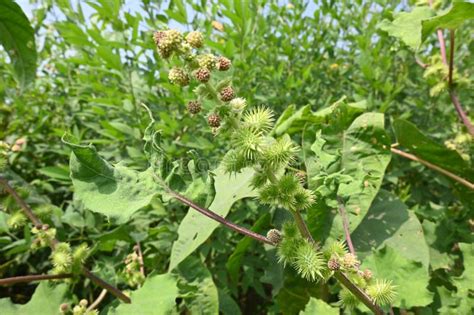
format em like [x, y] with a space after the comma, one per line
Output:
[274, 236]
[195, 39]
[203, 75]
[178, 76]
[83, 303]
[350, 261]
[194, 107]
[227, 94]
[333, 264]
[207, 61]
[214, 120]
[223, 64]
[367, 274]
[301, 175]
[63, 308]
[238, 104]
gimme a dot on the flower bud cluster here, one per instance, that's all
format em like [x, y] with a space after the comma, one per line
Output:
[79, 309]
[339, 259]
[199, 66]
[44, 236]
[132, 274]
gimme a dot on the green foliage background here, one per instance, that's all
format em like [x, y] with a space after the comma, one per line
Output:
[96, 66]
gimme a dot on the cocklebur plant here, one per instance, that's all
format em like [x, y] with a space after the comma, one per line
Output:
[277, 182]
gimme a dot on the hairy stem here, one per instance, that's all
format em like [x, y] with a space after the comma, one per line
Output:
[434, 167]
[302, 226]
[210, 214]
[37, 222]
[360, 294]
[31, 278]
[345, 224]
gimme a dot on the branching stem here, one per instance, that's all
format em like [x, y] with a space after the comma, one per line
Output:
[302, 226]
[37, 222]
[210, 214]
[434, 167]
[31, 278]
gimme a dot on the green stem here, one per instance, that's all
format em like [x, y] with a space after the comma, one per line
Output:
[302, 226]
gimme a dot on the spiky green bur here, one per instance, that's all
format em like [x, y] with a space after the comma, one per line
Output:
[259, 119]
[382, 292]
[280, 153]
[291, 239]
[287, 192]
[61, 258]
[234, 161]
[335, 249]
[348, 300]
[308, 262]
[248, 143]
[17, 220]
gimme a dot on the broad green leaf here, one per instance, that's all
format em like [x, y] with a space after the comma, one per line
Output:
[390, 223]
[410, 277]
[465, 283]
[47, 299]
[411, 138]
[115, 191]
[157, 296]
[18, 38]
[438, 240]
[365, 156]
[293, 121]
[235, 260]
[452, 18]
[317, 306]
[195, 228]
[407, 26]
[205, 299]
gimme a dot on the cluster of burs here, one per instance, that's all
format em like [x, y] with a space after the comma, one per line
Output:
[278, 182]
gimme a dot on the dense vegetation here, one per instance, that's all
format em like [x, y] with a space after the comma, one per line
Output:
[236, 157]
